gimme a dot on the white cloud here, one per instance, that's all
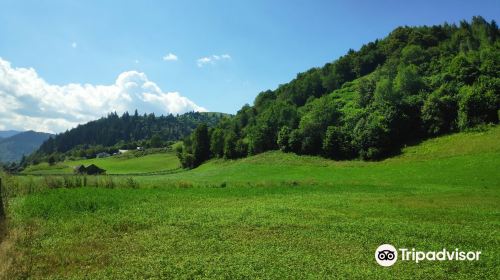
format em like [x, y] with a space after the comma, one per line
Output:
[170, 57]
[74, 45]
[29, 102]
[212, 59]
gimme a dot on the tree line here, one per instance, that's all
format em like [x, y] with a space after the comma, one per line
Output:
[113, 132]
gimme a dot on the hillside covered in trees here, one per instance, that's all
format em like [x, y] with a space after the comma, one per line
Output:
[416, 83]
[115, 132]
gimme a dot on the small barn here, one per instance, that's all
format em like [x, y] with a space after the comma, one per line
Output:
[89, 170]
[94, 170]
[80, 169]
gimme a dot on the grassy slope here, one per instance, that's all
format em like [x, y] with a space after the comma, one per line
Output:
[114, 165]
[280, 216]
[448, 160]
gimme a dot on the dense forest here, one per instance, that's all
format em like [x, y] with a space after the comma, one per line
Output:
[416, 83]
[115, 132]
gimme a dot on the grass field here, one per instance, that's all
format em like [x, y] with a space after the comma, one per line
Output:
[270, 216]
[113, 165]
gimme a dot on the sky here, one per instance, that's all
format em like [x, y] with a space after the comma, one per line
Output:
[65, 62]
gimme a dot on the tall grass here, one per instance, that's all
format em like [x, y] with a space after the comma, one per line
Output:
[19, 241]
[14, 186]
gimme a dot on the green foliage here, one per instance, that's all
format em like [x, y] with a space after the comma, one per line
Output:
[242, 148]
[372, 136]
[217, 143]
[51, 160]
[316, 117]
[366, 88]
[439, 113]
[230, 151]
[477, 105]
[155, 141]
[284, 139]
[337, 144]
[338, 73]
[413, 54]
[197, 149]
[295, 141]
[418, 82]
[187, 160]
[262, 138]
[408, 81]
[201, 144]
[111, 133]
[385, 93]
[464, 69]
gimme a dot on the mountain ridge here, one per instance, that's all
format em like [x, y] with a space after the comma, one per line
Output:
[13, 148]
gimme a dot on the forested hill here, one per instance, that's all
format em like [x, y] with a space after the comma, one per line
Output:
[416, 83]
[125, 131]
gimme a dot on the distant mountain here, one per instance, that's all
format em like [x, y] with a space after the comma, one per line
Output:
[21, 143]
[8, 133]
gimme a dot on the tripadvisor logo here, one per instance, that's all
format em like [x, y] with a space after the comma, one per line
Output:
[387, 255]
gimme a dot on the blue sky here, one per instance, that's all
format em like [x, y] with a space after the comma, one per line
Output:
[251, 45]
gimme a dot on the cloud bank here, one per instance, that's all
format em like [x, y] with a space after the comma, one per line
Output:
[29, 102]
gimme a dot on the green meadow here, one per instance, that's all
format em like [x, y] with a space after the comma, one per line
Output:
[122, 164]
[270, 216]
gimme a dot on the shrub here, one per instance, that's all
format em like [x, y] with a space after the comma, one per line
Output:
[337, 144]
[439, 113]
[477, 106]
[131, 183]
[295, 141]
[284, 139]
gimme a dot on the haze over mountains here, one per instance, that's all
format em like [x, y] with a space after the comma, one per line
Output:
[8, 133]
[15, 144]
